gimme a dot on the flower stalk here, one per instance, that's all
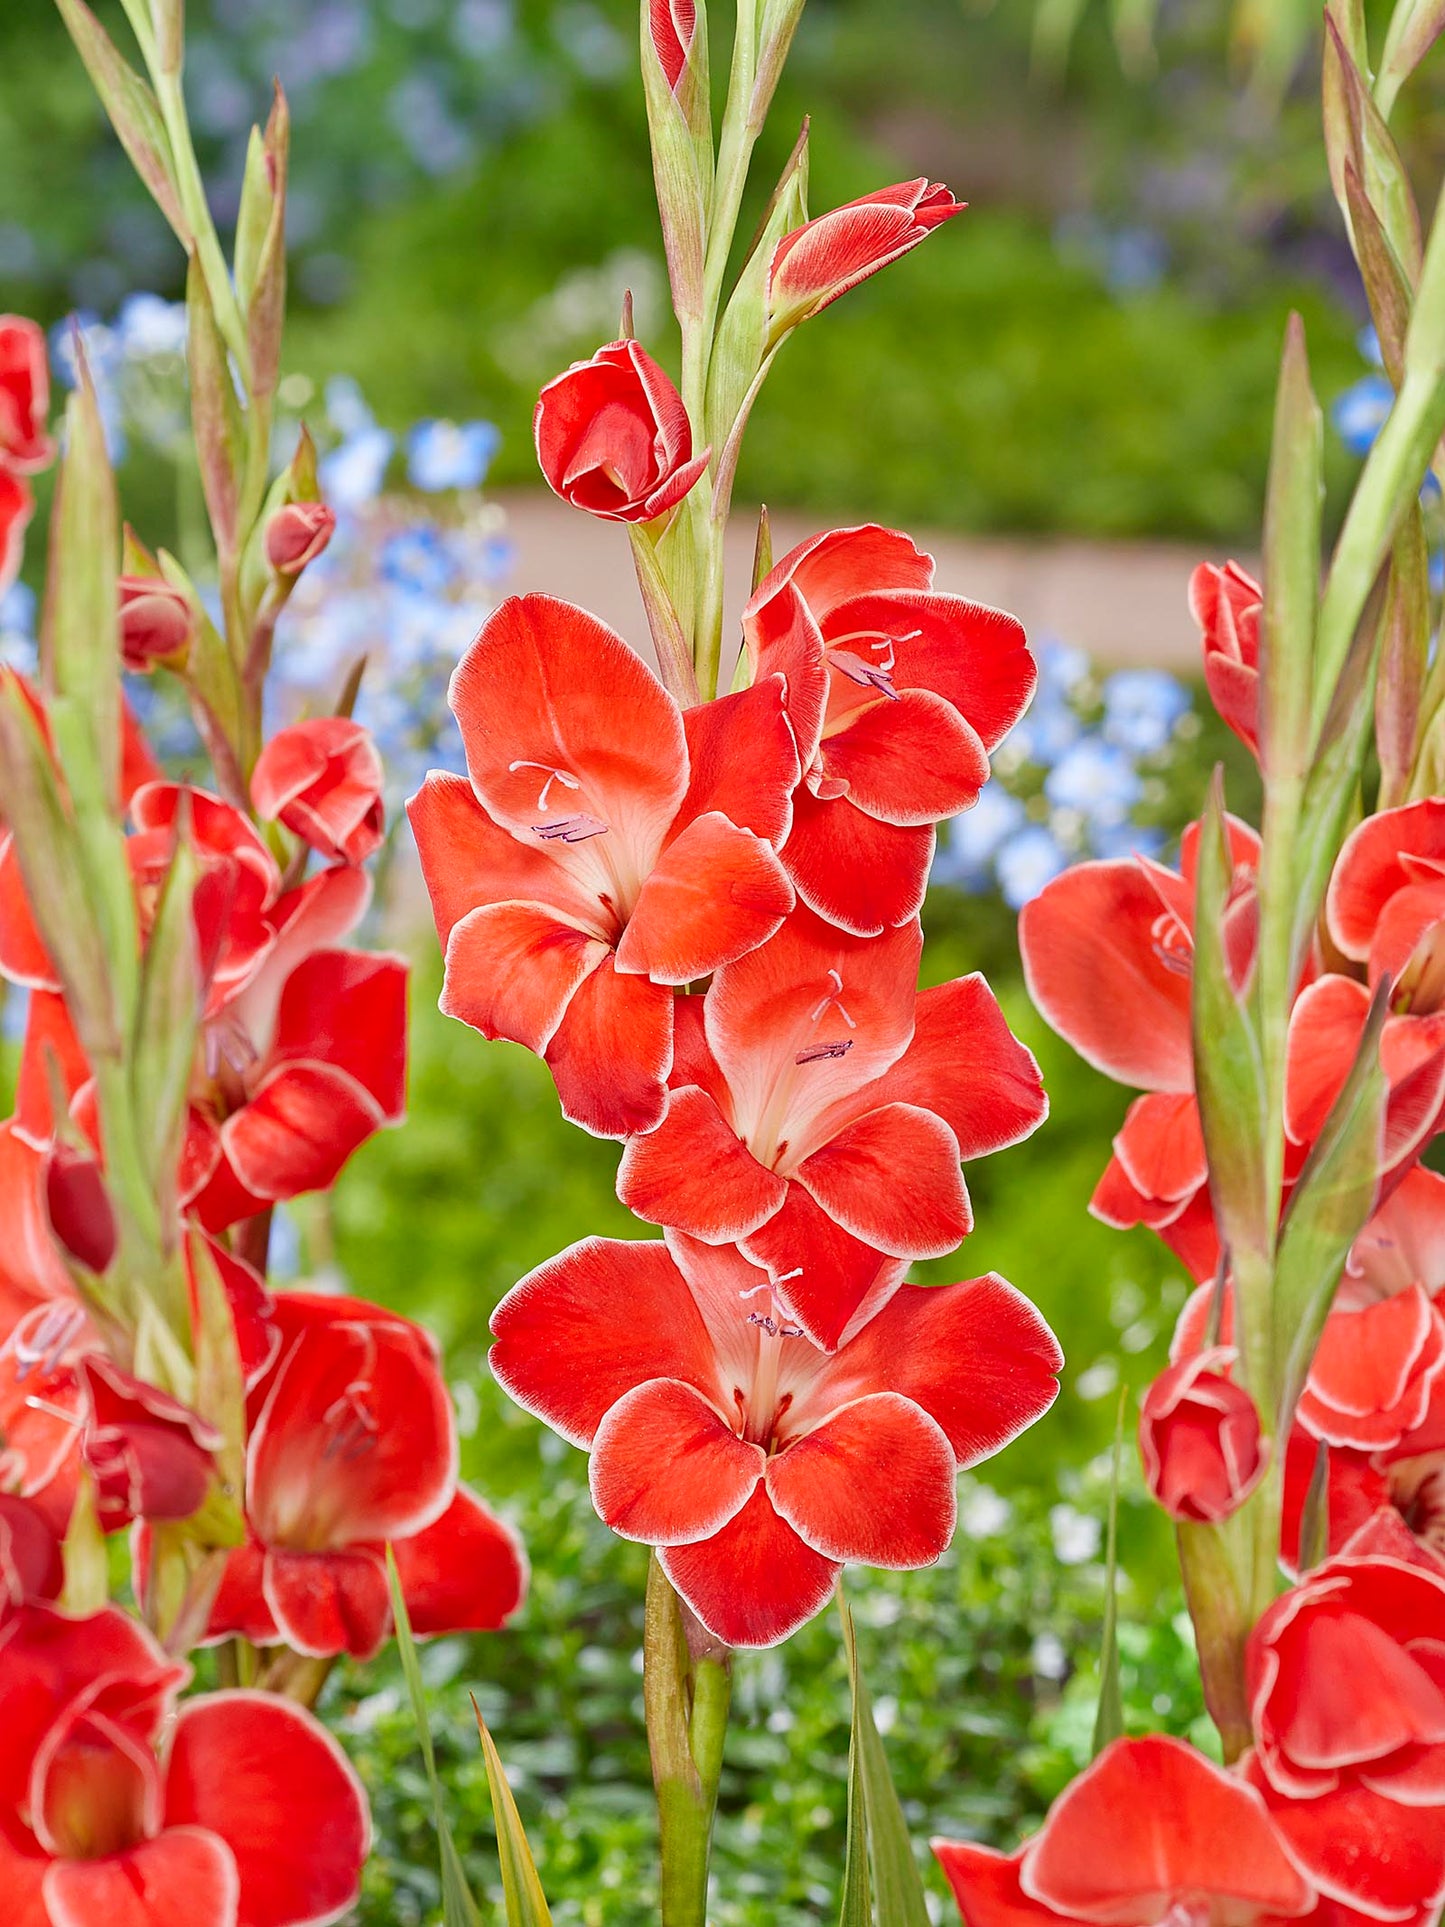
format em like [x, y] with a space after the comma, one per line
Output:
[687, 1689]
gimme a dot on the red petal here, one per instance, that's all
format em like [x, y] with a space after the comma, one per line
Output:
[1385, 854]
[1365, 1850]
[830, 1282]
[185, 1877]
[782, 638]
[986, 1886]
[693, 1174]
[586, 1327]
[910, 761]
[1372, 1372]
[23, 956]
[347, 1009]
[742, 760]
[297, 1131]
[1143, 1827]
[1325, 1028]
[754, 1582]
[666, 1469]
[240, 1604]
[1099, 975]
[268, 1778]
[965, 1064]
[329, 1602]
[842, 564]
[716, 893]
[466, 1572]
[1161, 1145]
[892, 1179]
[976, 1356]
[49, 1034]
[611, 1053]
[513, 968]
[548, 688]
[975, 658]
[860, 874]
[873, 1482]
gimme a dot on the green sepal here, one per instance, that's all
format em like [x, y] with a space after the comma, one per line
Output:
[215, 415]
[264, 304]
[679, 125]
[1387, 286]
[86, 1588]
[1414, 28]
[1314, 1528]
[133, 110]
[1404, 660]
[898, 1897]
[1293, 506]
[167, 1028]
[1355, 129]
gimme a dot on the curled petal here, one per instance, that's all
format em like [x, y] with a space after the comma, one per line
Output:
[465, 1572]
[666, 1469]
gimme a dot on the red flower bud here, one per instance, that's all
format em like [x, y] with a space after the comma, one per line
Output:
[322, 779]
[79, 1207]
[673, 26]
[1226, 604]
[24, 394]
[825, 258]
[296, 535]
[151, 1457]
[613, 436]
[156, 621]
[1199, 1439]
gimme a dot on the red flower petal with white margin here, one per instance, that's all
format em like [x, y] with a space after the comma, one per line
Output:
[966, 1065]
[513, 968]
[465, 1572]
[23, 956]
[976, 1356]
[693, 1174]
[783, 639]
[829, 1281]
[298, 1130]
[1097, 972]
[553, 704]
[1373, 1372]
[468, 861]
[975, 658]
[742, 760]
[30, 1266]
[347, 1009]
[892, 1179]
[1161, 1145]
[665, 1467]
[184, 1877]
[754, 1582]
[986, 1886]
[31, 1566]
[863, 875]
[50, 1044]
[873, 1482]
[1410, 923]
[840, 565]
[240, 1603]
[355, 1440]
[1142, 1827]
[1326, 1025]
[1363, 1850]
[1404, 1242]
[911, 760]
[265, 1775]
[611, 1052]
[312, 918]
[584, 1328]
[328, 1602]
[1387, 853]
[715, 893]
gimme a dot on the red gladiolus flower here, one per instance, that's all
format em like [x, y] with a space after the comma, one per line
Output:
[613, 436]
[120, 1809]
[296, 534]
[1375, 1372]
[1386, 904]
[826, 257]
[819, 1110]
[32, 1567]
[24, 394]
[1151, 1833]
[1199, 1439]
[352, 1444]
[607, 848]
[758, 1463]
[1226, 603]
[150, 1456]
[323, 780]
[1347, 1691]
[156, 621]
[896, 694]
[17, 505]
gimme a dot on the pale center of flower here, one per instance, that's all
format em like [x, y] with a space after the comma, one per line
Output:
[1421, 987]
[830, 1021]
[762, 1406]
[608, 862]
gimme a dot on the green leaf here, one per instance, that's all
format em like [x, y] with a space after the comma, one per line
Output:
[266, 299]
[215, 415]
[1386, 284]
[1291, 563]
[1404, 660]
[898, 1897]
[1327, 1210]
[521, 1888]
[133, 110]
[1414, 28]
[459, 1909]
[1109, 1720]
[168, 1019]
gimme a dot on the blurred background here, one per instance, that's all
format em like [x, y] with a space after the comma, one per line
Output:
[1070, 391]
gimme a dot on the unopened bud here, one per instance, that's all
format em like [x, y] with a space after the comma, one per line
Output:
[296, 535]
[156, 621]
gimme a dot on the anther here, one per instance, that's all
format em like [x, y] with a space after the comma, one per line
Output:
[570, 829]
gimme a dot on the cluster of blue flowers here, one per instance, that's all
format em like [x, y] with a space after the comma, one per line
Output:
[1080, 776]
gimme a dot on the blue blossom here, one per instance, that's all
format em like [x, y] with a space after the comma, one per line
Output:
[1046, 732]
[1359, 414]
[346, 407]
[418, 559]
[442, 454]
[971, 841]
[1437, 571]
[1095, 779]
[14, 1011]
[1368, 343]
[147, 326]
[1141, 707]
[1026, 863]
[1117, 840]
[1063, 668]
[352, 474]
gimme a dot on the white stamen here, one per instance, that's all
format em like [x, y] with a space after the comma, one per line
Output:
[562, 776]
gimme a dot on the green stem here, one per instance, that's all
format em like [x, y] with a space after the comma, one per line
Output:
[1209, 1560]
[687, 1686]
[198, 213]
